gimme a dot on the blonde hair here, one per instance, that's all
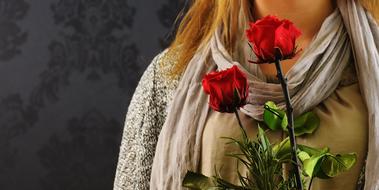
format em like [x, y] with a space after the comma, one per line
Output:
[372, 6]
[203, 18]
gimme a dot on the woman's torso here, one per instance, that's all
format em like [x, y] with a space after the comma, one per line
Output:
[343, 129]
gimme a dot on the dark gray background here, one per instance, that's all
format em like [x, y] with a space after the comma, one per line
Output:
[68, 69]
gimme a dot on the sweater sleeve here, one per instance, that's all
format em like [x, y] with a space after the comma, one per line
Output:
[143, 122]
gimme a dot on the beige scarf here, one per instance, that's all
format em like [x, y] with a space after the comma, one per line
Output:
[349, 32]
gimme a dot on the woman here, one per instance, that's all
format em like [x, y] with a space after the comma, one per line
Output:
[337, 72]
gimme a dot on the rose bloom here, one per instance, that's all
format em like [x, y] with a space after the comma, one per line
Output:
[268, 34]
[228, 89]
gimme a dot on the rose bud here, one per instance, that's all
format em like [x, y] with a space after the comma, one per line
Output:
[268, 35]
[228, 89]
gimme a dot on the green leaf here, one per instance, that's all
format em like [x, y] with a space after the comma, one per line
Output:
[322, 164]
[335, 165]
[306, 123]
[284, 123]
[198, 181]
[312, 151]
[282, 150]
[303, 155]
[313, 164]
[276, 118]
[263, 139]
[273, 117]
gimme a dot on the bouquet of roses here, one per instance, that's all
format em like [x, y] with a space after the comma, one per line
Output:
[272, 41]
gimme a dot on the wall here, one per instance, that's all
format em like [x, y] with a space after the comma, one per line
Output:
[68, 69]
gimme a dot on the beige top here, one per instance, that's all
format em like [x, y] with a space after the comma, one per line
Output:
[343, 129]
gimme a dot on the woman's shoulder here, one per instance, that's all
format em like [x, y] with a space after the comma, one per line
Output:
[155, 86]
[163, 64]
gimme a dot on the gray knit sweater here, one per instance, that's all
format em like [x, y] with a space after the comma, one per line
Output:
[144, 119]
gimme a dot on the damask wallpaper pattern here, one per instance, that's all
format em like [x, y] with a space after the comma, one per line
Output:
[68, 69]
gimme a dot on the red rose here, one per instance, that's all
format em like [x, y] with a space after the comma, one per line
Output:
[228, 89]
[270, 33]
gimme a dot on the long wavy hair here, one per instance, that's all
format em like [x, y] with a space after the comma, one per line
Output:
[204, 16]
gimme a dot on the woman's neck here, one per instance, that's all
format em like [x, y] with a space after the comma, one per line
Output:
[307, 15]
